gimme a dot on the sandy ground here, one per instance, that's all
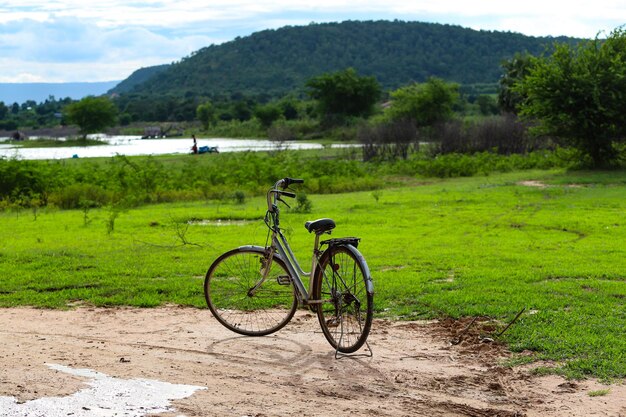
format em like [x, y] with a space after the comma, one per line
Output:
[418, 369]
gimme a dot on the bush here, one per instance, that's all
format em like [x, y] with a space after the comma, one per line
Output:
[237, 129]
[303, 204]
[267, 114]
[281, 133]
[239, 197]
[483, 163]
[23, 179]
[502, 134]
[76, 196]
[390, 140]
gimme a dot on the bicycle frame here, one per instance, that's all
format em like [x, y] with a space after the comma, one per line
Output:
[280, 247]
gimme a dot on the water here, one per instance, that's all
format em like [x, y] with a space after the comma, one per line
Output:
[103, 396]
[134, 145]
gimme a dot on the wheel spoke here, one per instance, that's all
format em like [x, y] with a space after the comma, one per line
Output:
[346, 316]
[228, 293]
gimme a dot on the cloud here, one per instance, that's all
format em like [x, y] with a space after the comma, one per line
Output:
[98, 40]
[70, 49]
[175, 14]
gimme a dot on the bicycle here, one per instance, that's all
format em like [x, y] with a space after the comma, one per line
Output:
[255, 290]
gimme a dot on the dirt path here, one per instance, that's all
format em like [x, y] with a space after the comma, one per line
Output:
[415, 370]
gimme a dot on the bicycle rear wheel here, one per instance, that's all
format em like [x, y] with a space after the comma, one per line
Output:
[345, 313]
[241, 300]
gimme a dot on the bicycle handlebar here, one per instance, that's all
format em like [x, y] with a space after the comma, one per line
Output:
[286, 182]
[276, 192]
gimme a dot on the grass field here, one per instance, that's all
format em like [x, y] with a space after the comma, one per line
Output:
[481, 246]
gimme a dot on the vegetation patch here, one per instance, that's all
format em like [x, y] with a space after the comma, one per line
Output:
[440, 248]
[58, 143]
[599, 393]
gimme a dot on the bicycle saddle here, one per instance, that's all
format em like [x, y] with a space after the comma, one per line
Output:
[320, 226]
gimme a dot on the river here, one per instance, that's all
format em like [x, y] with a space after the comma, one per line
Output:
[134, 145]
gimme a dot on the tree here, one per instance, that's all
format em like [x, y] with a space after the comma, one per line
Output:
[242, 110]
[205, 113]
[91, 114]
[487, 105]
[344, 93]
[267, 114]
[289, 108]
[425, 104]
[4, 110]
[515, 70]
[578, 94]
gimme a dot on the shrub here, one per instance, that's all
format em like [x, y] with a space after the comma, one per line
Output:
[503, 134]
[76, 196]
[390, 140]
[303, 204]
[239, 197]
[281, 133]
[21, 180]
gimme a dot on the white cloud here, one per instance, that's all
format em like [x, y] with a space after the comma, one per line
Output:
[68, 49]
[177, 14]
[13, 71]
[96, 40]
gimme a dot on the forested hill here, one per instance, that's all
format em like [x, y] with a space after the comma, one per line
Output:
[278, 61]
[138, 77]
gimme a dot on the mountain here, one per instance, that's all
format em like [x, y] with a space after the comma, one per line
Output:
[138, 77]
[21, 92]
[274, 62]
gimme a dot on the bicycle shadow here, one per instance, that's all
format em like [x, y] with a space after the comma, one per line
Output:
[270, 350]
[295, 357]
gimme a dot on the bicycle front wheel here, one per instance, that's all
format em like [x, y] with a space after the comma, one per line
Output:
[245, 299]
[346, 308]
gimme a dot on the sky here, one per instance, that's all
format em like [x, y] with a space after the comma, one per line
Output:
[106, 40]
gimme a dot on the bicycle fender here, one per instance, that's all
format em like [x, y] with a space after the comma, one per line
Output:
[260, 249]
[252, 248]
[369, 282]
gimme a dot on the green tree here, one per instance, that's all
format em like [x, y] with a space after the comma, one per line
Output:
[4, 110]
[242, 110]
[205, 113]
[578, 94]
[267, 114]
[289, 108]
[344, 93]
[515, 70]
[487, 105]
[91, 114]
[425, 104]
[125, 119]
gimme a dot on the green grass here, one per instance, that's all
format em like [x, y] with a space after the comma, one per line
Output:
[599, 393]
[479, 246]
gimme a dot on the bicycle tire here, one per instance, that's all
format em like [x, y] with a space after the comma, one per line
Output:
[344, 284]
[227, 292]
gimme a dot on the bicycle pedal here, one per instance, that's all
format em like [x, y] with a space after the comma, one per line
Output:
[283, 280]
